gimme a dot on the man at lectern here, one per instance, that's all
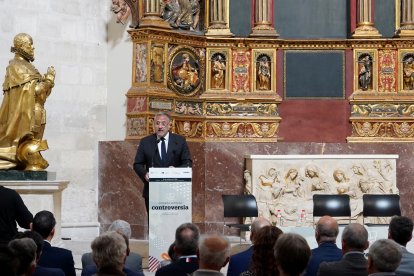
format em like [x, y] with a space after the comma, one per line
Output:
[162, 149]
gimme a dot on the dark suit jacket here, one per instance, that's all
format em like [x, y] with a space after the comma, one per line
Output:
[325, 252]
[352, 263]
[406, 267]
[133, 261]
[178, 155]
[240, 262]
[182, 267]
[57, 257]
[47, 271]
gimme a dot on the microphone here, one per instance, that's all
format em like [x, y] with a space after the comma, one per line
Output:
[155, 152]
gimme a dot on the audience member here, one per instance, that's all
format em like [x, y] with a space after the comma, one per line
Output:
[213, 254]
[325, 234]
[12, 210]
[263, 259]
[55, 257]
[292, 254]
[25, 250]
[384, 257]
[401, 231]
[185, 250]
[8, 261]
[242, 261]
[109, 252]
[40, 270]
[353, 262]
[133, 261]
[171, 256]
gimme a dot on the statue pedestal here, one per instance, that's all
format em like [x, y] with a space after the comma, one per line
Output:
[41, 195]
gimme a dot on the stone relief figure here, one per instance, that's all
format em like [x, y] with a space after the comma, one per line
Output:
[270, 178]
[365, 72]
[263, 72]
[218, 71]
[248, 182]
[314, 182]
[408, 72]
[22, 113]
[181, 14]
[343, 186]
[122, 11]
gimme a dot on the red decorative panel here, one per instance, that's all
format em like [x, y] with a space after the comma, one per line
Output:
[387, 71]
[137, 104]
[241, 71]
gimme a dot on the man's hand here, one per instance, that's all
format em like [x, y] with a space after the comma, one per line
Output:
[147, 176]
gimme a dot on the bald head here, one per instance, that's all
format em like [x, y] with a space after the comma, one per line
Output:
[213, 252]
[258, 224]
[326, 230]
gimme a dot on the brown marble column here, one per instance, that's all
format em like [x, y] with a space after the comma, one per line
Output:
[263, 15]
[406, 28]
[152, 15]
[218, 19]
[365, 25]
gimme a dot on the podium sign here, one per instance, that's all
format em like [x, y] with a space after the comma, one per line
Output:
[170, 205]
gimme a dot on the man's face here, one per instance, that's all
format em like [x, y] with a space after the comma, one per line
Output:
[161, 125]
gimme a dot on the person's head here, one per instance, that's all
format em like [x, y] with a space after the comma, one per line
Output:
[384, 256]
[35, 237]
[354, 238]
[122, 227]
[213, 252]
[257, 224]
[9, 262]
[400, 229]
[23, 46]
[292, 254]
[326, 230]
[44, 223]
[162, 124]
[291, 174]
[109, 250]
[186, 239]
[263, 259]
[339, 176]
[25, 250]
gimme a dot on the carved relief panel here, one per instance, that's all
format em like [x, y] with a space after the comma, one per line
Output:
[406, 68]
[365, 70]
[218, 70]
[387, 71]
[241, 70]
[264, 76]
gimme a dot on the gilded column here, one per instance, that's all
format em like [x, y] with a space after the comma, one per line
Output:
[406, 28]
[152, 15]
[263, 15]
[218, 18]
[365, 25]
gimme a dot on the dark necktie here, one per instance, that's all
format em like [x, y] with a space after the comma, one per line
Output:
[163, 150]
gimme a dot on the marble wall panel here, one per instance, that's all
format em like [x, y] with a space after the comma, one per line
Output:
[218, 169]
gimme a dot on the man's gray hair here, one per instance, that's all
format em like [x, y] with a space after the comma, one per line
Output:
[109, 250]
[212, 252]
[122, 227]
[355, 236]
[25, 250]
[385, 254]
[327, 232]
[163, 113]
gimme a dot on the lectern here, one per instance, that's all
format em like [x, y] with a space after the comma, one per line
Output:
[170, 205]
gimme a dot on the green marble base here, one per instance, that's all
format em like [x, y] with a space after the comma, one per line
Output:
[10, 175]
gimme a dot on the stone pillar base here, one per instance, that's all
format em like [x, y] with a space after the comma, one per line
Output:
[264, 32]
[154, 21]
[225, 32]
[366, 30]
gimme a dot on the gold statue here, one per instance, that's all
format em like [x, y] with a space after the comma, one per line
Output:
[22, 113]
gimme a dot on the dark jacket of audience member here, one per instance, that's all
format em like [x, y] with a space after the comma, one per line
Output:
[401, 231]
[12, 210]
[263, 259]
[353, 262]
[241, 261]
[54, 257]
[185, 250]
[326, 233]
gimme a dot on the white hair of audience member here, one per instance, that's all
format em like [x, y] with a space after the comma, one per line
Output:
[121, 226]
[109, 250]
[385, 254]
[208, 252]
[25, 250]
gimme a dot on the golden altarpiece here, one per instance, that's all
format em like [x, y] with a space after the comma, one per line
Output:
[219, 87]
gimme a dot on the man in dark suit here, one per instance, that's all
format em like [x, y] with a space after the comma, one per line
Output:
[12, 209]
[185, 250]
[162, 149]
[401, 231]
[241, 261]
[325, 234]
[353, 262]
[55, 257]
